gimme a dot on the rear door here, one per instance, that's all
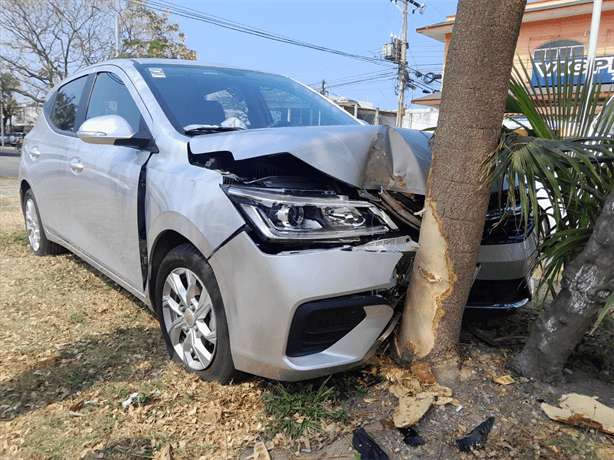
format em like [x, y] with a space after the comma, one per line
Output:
[45, 155]
[102, 184]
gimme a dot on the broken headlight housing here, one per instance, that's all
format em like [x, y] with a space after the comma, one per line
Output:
[285, 216]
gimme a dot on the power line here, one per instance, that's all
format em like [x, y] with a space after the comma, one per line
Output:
[358, 79]
[189, 13]
[243, 28]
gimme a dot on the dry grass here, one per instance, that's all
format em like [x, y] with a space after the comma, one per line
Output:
[75, 345]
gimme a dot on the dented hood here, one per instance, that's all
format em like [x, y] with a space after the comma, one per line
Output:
[367, 157]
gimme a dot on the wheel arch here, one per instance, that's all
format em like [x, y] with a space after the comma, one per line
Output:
[172, 230]
[24, 186]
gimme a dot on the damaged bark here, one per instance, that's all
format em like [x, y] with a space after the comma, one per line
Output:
[478, 67]
[587, 283]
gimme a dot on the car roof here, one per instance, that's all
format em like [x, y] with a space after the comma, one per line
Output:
[129, 62]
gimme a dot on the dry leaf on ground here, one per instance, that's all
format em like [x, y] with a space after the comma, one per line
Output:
[260, 451]
[503, 380]
[580, 410]
[410, 410]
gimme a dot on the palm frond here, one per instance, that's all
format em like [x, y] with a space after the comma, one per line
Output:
[566, 158]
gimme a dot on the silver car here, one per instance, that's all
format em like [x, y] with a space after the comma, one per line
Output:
[270, 231]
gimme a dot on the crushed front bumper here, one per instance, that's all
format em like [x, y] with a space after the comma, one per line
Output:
[278, 306]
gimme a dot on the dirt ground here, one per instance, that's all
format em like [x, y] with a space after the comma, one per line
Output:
[75, 346]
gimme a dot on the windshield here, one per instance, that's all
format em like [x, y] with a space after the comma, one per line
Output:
[197, 99]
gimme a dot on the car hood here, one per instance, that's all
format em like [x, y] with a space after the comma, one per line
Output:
[366, 157]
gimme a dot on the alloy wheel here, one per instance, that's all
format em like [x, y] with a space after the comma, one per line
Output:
[33, 225]
[189, 318]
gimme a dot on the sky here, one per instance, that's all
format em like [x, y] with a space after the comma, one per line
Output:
[352, 26]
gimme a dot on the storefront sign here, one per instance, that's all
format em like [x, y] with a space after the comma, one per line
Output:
[604, 71]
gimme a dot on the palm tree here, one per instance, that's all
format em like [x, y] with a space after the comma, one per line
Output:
[564, 156]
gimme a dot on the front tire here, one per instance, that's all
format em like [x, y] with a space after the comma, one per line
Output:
[39, 243]
[192, 317]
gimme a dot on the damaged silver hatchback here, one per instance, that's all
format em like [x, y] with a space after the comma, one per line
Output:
[270, 231]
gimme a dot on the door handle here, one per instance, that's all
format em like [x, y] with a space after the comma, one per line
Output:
[34, 152]
[76, 165]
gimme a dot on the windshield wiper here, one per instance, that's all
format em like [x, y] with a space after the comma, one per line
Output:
[204, 129]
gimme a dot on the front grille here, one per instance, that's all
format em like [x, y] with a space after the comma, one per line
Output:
[318, 325]
[511, 229]
[495, 293]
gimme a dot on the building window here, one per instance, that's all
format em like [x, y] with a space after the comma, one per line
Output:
[559, 50]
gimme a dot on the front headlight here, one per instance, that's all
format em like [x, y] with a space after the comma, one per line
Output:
[284, 217]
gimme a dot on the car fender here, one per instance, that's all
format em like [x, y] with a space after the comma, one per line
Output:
[206, 224]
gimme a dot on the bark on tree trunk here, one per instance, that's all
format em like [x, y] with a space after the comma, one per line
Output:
[586, 285]
[477, 73]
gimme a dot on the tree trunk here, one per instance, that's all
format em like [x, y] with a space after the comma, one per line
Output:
[477, 76]
[587, 283]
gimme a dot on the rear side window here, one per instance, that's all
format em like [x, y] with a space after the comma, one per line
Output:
[66, 105]
[111, 97]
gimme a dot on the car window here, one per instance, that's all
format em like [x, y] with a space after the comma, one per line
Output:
[111, 97]
[66, 105]
[209, 96]
[233, 102]
[290, 109]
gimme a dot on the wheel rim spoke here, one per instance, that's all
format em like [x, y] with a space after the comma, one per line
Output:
[188, 346]
[207, 333]
[32, 225]
[175, 330]
[169, 302]
[203, 355]
[204, 306]
[176, 284]
[191, 291]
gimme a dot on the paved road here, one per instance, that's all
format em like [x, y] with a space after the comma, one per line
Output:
[9, 162]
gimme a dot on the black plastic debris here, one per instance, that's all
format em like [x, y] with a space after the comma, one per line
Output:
[411, 437]
[477, 438]
[366, 446]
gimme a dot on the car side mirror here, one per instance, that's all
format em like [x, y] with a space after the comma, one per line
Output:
[114, 130]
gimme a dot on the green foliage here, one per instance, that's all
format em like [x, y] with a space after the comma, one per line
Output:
[8, 85]
[562, 157]
[298, 410]
[609, 306]
[159, 39]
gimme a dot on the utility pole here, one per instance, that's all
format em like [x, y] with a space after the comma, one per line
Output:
[396, 51]
[402, 69]
[592, 38]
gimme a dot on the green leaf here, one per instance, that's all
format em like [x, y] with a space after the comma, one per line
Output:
[604, 311]
[565, 161]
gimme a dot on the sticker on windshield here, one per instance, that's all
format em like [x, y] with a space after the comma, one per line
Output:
[157, 72]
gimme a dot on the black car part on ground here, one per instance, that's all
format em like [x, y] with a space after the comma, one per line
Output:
[366, 446]
[477, 438]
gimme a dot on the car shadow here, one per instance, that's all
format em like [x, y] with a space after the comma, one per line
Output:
[126, 354]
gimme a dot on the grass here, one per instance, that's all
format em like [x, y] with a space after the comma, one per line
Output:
[300, 408]
[577, 445]
[19, 238]
[74, 346]
[72, 341]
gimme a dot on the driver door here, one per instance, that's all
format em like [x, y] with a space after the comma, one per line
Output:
[102, 184]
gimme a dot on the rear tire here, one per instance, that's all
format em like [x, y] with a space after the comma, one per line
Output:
[191, 315]
[39, 243]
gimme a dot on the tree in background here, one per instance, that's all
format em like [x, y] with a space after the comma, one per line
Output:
[44, 41]
[478, 67]
[154, 36]
[9, 106]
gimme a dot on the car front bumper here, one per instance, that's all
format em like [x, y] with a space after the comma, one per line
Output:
[262, 294]
[503, 283]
